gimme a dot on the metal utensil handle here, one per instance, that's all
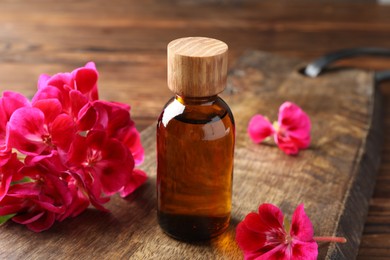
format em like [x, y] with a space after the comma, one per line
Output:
[317, 66]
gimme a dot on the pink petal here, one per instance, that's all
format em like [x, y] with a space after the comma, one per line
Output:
[118, 118]
[93, 189]
[253, 255]
[23, 190]
[86, 118]
[28, 217]
[96, 139]
[294, 126]
[304, 250]
[9, 102]
[50, 107]
[78, 101]
[113, 176]
[301, 133]
[5, 154]
[42, 80]
[290, 114]
[91, 65]
[102, 114]
[259, 128]
[26, 130]
[43, 223]
[34, 159]
[247, 239]
[4, 185]
[301, 138]
[85, 79]
[48, 92]
[12, 101]
[78, 151]
[98, 203]
[254, 223]
[115, 168]
[79, 202]
[286, 144]
[8, 209]
[94, 92]
[132, 139]
[260, 233]
[52, 163]
[271, 216]
[63, 81]
[56, 189]
[3, 129]
[112, 116]
[301, 227]
[47, 206]
[8, 173]
[63, 130]
[280, 252]
[138, 178]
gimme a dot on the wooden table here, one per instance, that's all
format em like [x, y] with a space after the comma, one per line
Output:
[128, 41]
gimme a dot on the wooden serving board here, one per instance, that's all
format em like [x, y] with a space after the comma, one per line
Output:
[334, 178]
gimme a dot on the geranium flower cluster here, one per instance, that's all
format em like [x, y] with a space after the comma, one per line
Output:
[64, 150]
[291, 132]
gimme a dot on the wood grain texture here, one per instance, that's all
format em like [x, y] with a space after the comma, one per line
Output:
[127, 39]
[323, 177]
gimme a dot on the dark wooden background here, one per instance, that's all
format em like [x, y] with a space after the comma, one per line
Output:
[127, 39]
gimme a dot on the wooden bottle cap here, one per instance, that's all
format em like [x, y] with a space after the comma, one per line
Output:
[197, 66]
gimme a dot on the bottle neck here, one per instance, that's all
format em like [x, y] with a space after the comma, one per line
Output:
[196, 100]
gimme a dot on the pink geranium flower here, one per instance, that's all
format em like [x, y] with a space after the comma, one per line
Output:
[106, 159]
[73, 90]
[263, 235]
[115, 118]
[33, 132]
[268, 235]
[65, 150]
[37, 204]
[291, 133]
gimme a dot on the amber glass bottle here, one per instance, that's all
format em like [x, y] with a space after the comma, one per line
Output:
[195, 143]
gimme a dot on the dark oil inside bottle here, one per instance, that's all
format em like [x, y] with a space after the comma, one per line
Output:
[195, 145]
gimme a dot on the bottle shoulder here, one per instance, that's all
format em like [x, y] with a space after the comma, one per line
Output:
[201, 113]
